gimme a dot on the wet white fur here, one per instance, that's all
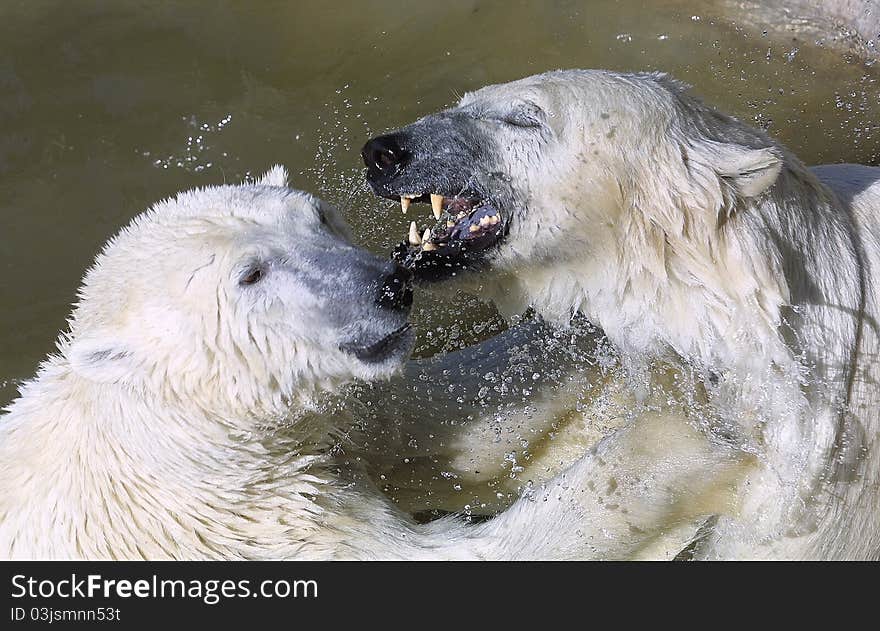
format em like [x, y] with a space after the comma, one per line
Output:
[178, 418]
[687, 235]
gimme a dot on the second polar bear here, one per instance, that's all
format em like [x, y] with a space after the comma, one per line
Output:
[690, 238]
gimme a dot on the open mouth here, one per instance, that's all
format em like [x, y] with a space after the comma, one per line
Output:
[394, 344]
[464, 229]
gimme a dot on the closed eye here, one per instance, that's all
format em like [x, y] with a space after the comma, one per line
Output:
[517, 120]
[527, 116]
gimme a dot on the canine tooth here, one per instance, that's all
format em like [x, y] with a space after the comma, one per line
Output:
[414, 234]
[429, 247]
[437, 205]
[427, 235]
[474, 228]
[404, 203]
[494, 219]
[450, 224]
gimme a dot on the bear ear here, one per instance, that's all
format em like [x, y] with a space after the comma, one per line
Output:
[103, 360]
[276, 176]
[750, 171]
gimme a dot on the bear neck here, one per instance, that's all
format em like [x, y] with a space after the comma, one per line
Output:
[716, 289]
[97, 467]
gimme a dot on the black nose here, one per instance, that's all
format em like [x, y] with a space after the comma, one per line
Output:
[384, 156]
[396, 290]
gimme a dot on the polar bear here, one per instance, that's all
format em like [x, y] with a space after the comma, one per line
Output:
[693, 240]
[182, 416]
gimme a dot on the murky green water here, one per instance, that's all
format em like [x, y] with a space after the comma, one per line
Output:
[106, 107]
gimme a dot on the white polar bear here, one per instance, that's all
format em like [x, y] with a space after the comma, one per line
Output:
[178, 418]
[690, 238]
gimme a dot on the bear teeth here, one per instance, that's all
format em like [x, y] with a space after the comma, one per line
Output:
[437, 202]
[437, 205]
[405, 201]
[440, 204]
[414, 234]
